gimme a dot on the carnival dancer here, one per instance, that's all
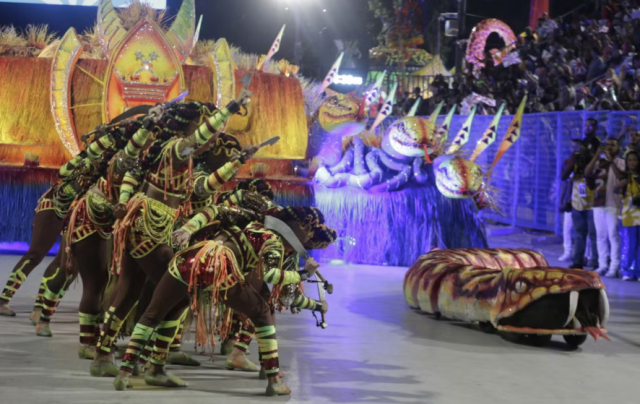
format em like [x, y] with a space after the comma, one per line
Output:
[217, 270]
[87, 237]
[255, 195]
[73, 178]
[213, 163]
[142, 241]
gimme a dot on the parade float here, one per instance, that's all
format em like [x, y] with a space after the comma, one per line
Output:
[393, 194]
[57, 89]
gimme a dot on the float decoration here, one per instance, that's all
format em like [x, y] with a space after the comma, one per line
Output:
[63, 66]
[183, 32]
[478, 41]
[459, 178]
[387, 107]
[463, 134]
[489, 135]
[371, 96]
[331, 76]
[414, 107]
[222, 65]
[274, 49]
[509, 290]
[402, 33]
[143, 69]
[398, 161]
[436, 112]
[443, 131]
[513, 133]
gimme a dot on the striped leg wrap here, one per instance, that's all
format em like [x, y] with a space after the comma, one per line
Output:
[88, 328]
[268, 346]
[176, 344]
[49, 305]
[110, 329]
[13, 284]
[148, 349]
[139, 338]
[245, 336]
[236, 325]
[40, 298]
[165, 333]
[177, 341]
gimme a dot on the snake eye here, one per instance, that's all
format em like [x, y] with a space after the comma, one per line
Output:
[521, 287]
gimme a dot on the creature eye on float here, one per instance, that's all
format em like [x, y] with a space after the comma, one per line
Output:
[521, 287]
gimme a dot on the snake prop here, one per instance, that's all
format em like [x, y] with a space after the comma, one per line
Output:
[512, 291]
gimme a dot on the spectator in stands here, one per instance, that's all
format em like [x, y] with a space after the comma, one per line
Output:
[568, 97]
[602, 175]
[581, 207]
[632, 137]
[566, 188]
[630, 190]
[580, 50]
[597, 67]
[591, 141]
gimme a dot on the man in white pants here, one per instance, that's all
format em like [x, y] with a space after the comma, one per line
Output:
[566, 188]
[602, 175]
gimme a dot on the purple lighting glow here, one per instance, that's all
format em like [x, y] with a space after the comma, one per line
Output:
[19, 248]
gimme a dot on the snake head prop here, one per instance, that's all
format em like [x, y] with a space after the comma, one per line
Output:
[550, 301]
[511, 290]
[342, 114]
[409, 136]
[456, 177]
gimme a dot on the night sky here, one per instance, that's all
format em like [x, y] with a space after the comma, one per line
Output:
[254, 24]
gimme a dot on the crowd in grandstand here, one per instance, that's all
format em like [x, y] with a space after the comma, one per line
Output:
[588, 60]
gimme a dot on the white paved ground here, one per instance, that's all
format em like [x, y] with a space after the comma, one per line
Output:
[375, 350]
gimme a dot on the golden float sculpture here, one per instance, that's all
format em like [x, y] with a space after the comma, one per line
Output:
[48, 99]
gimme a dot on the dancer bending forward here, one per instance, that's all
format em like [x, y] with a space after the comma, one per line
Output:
[218, 271]
[142, 241]
[73, 180]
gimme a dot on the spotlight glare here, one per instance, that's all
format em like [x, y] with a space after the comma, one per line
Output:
[324, 10]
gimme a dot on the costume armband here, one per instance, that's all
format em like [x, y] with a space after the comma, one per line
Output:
[305, 303]
[129, 185]
[213, 124]
[136, 143]
[98, 147]
[221, 176]
[274, 274]
[201, 219]
[67, 169]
